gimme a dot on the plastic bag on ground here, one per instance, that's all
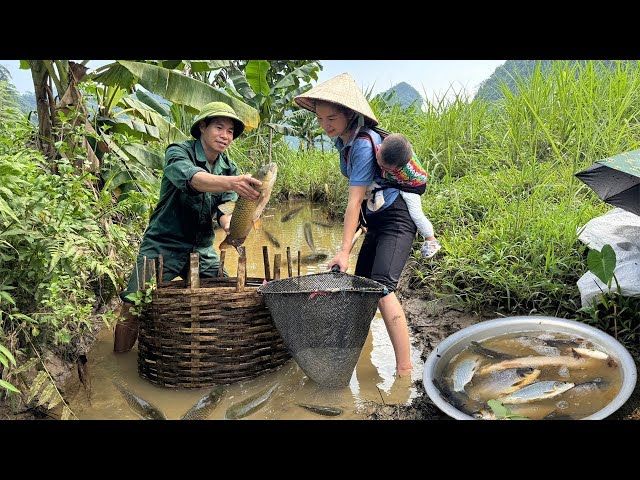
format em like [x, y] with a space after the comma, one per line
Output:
[621, 230]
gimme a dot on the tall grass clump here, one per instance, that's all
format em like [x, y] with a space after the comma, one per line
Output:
[502, 193]
[312, 174]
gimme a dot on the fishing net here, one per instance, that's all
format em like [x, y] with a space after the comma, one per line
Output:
[324, 320]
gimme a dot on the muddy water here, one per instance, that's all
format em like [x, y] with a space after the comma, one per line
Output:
[592, 382]
[373, 378]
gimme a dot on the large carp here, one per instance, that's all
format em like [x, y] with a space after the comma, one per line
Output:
[246, 213]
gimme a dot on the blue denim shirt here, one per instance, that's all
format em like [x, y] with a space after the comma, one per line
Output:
[361, 167]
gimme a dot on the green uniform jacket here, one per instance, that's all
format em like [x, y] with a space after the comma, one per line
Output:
[182, 222]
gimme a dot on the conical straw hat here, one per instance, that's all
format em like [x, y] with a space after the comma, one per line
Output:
[342, 90]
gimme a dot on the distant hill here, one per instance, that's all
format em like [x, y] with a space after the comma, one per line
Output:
[402, 93]
[489, 90]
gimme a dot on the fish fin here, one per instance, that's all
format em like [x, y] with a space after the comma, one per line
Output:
[227, 208]
[257, 223]
[224, 245]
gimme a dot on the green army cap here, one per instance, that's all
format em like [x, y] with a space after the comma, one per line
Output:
[217, 109]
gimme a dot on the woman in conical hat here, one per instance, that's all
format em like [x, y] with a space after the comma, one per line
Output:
[345, 115]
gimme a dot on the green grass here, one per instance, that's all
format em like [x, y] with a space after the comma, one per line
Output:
[501, 194]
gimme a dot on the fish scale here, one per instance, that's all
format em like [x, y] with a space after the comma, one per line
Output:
[463, 373]
[246, 212]
[538, 391]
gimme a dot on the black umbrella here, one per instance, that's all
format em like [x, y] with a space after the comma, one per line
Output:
[616, 180]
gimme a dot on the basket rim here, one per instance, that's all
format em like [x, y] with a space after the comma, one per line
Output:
[376, 286]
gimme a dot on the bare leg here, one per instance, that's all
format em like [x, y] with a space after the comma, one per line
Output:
[126, 333]
[396, 323]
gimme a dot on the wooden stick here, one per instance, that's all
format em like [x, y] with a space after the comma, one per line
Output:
[152, 268]
[265, 256]
[242, 269]
[221, 267]
[160, 269]
[194, 270]
[359, 232]
[289, 268]
[144, 272]
[277, 258]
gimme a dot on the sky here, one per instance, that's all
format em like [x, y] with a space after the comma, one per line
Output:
[431, 78]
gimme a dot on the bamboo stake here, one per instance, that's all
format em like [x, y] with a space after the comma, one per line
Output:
[289, 268]
[223, 253]
[242, 268]
[277, 258]
[265, 256]
[194, 270]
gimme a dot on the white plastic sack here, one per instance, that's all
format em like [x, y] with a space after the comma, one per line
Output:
[621, 230]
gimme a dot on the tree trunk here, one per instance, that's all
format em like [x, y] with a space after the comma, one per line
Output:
[40, 77]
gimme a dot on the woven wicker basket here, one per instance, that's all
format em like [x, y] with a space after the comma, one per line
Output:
[202, 332]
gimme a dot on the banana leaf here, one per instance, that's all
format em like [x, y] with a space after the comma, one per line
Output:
[166, 131]
[152, 102]
[179, 88]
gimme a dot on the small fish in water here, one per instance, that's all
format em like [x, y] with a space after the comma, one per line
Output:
[291, 214]
[550, 341]
[463, 373]
[459, 400]
[589, 387]
[207, 404]
[83, 374]
[142, 408]
[475, 347]
[597, 354]
[547, 350]
[523, 410]
[538, 391]
[308, 236]
[271, 238]
[503, 382]
[314, 257]
[246, 213]
[322, 224]
[250, 405]
[536, 362]
[321, 409]
[585, 352]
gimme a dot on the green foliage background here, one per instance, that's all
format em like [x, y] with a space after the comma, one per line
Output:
[501, 194]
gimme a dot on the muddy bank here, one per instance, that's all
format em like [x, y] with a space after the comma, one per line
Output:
[430, 321]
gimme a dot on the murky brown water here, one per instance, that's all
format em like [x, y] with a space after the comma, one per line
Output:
[585, 384]
[373, 378]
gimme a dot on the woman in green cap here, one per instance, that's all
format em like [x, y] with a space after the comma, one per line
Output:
[198, 177]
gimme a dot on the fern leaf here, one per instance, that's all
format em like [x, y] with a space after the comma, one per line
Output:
[37, 383]
[57, 398]
[25, 367]
[45, 396]
[66, 413]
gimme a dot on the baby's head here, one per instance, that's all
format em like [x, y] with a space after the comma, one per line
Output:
[394, 152]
